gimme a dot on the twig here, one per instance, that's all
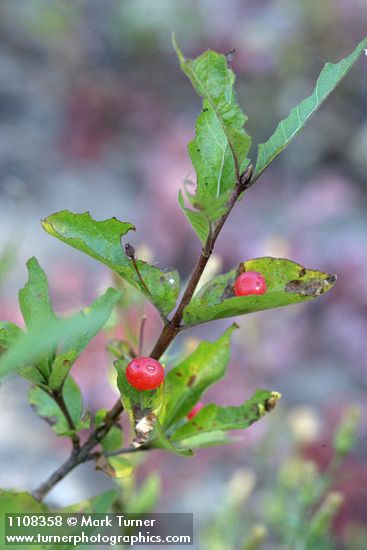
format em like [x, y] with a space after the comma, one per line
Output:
[169, 332]
[60, 401]
[125, 450]
[130, 253]
[59, 474]
[141, 334]
[78, 456]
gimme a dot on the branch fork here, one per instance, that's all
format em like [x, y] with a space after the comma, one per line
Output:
[81, 454]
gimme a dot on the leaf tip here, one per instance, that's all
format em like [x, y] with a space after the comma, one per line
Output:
[47, 226]
[311, 288]
[268, 404]
[179, 53]
[32, 261]
[331, 279]
[271, 403]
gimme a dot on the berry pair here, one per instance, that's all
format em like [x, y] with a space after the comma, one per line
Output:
[145, 373]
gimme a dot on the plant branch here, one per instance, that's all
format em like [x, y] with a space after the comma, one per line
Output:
[59, 474]
[80, 455]
[124, 451]
[130, 253]
[60, 401]
[141, 334]
[169, 332]
[172, 329]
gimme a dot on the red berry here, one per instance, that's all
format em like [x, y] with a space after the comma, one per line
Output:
[194, 411]
[144, 373]
[249, 282]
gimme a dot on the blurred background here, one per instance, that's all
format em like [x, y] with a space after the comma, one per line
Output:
[96, 115]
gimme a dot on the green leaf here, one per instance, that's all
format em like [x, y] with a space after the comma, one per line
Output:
[186, 383]
[199, 220]
[145, 500]
[120, 349]
[46, 335]
[208, 210]
[121, 466]
[160, 441]
[100, 310]
[9, 334]
[46, 407]
[212, 418]
[114, 438]
[218, 151]
[98, 505]
[207, 439]
[14, 502]
[7, 260]
[34, 298]
[32, 374]
[20, 503]
[288, 128]
[287, 283]
[3, 341]
[99, 417]
[102, 240]
[60, 369]
[35, 304]
[37, 311]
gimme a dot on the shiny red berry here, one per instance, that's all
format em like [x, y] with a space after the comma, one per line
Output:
[249, 282]
[194, 411]
[144, 373]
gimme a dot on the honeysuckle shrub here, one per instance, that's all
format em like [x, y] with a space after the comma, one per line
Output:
[46, 348]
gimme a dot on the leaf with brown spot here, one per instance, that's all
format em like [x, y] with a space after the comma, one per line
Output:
[286, 283]
[307, 288]
[213, 418]
[191, 381]
[60, 369]
[186, 383]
